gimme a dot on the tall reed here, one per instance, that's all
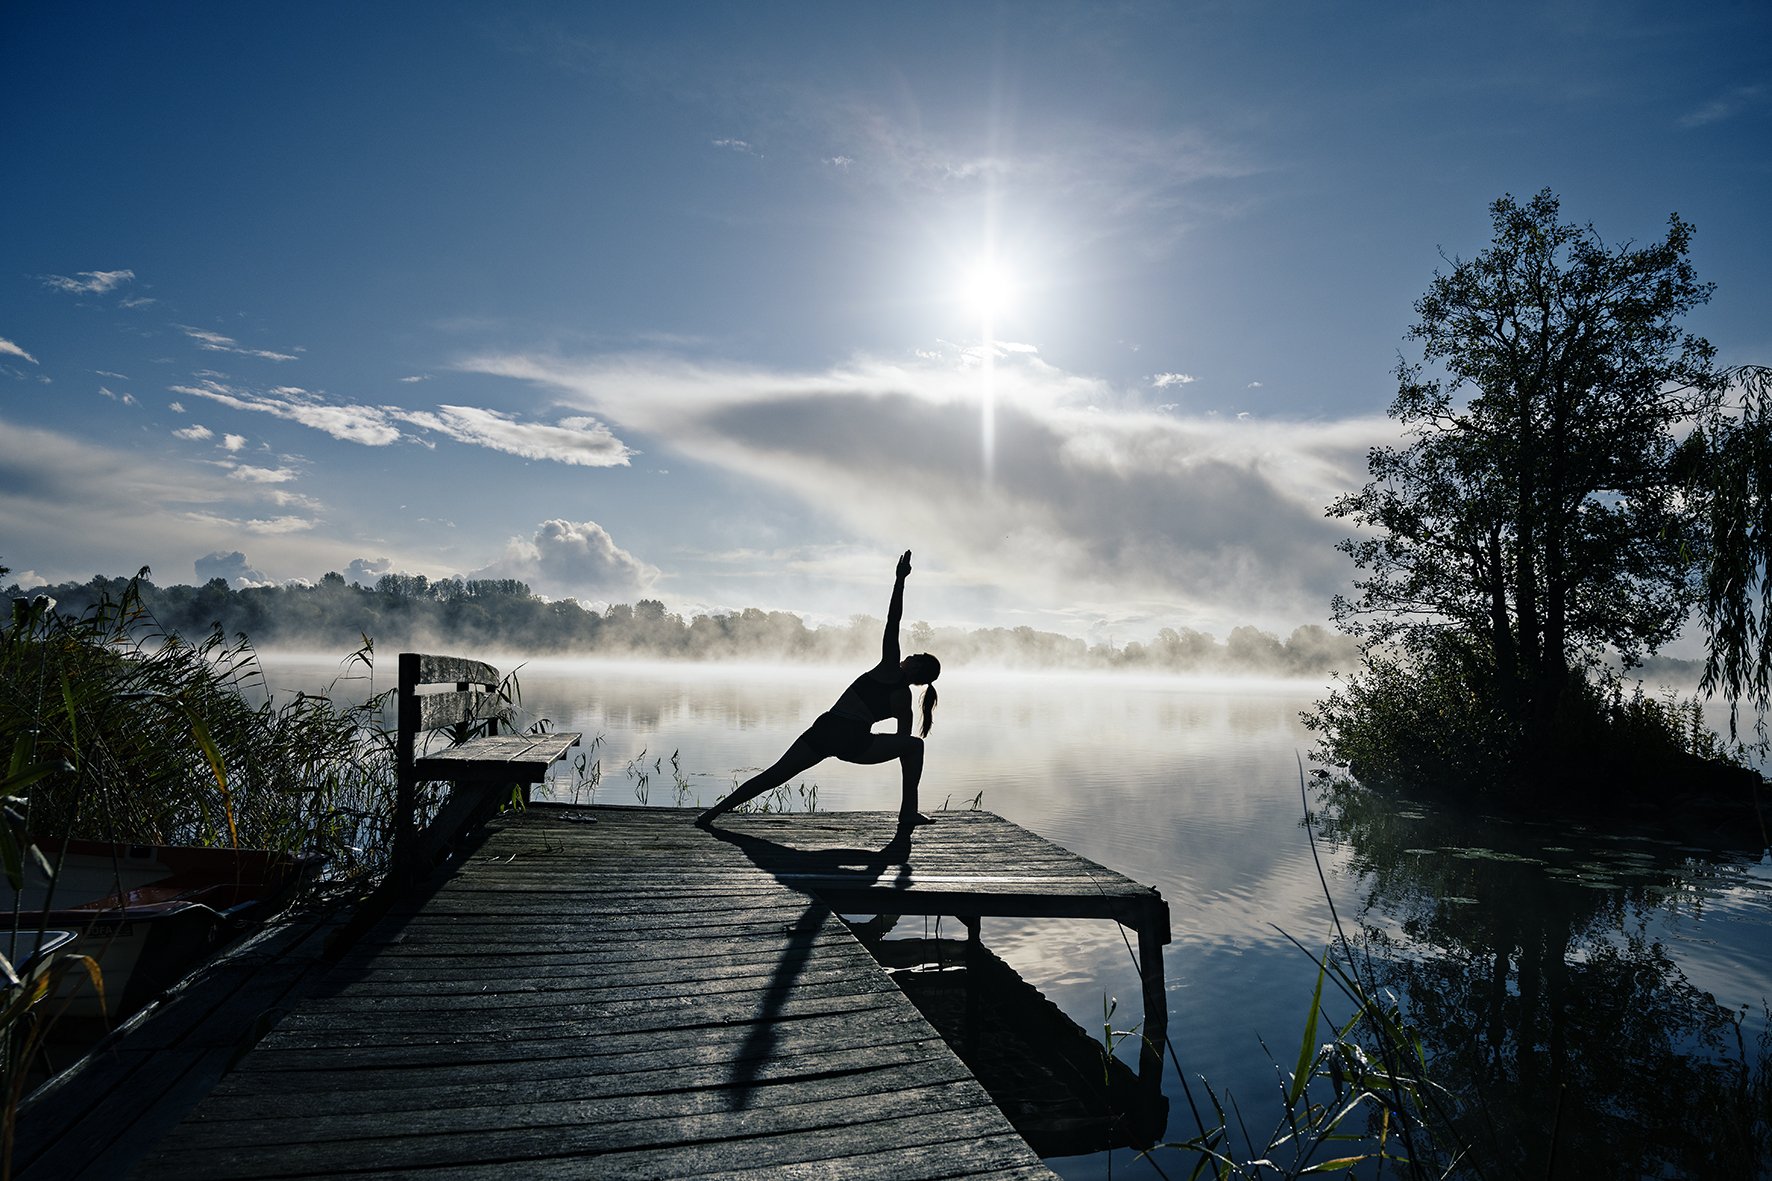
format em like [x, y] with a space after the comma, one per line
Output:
[140, 735]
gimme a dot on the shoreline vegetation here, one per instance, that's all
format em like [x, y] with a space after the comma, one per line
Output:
[1578, 480]
[503, 615]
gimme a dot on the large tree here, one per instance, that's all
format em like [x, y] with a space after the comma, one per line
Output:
[1542, 512]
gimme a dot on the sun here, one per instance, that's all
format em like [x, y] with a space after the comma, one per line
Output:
[987, 289]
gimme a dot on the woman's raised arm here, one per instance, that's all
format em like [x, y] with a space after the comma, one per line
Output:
[895, 613]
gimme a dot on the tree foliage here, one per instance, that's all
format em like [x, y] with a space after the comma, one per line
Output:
[1731, 497]
[503, 616]
[1539, 516]
[1579, 476]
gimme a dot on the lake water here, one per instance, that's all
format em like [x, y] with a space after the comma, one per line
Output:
[1591, 984]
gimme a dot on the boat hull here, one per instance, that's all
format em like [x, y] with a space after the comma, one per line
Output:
[147, 914]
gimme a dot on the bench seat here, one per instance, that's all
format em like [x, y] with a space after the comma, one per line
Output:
[498, 759]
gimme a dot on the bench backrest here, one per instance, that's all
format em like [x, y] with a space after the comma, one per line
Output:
[470, 701]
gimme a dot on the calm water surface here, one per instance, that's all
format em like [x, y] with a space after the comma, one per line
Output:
[1542, 961]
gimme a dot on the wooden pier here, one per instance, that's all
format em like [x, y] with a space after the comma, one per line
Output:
[614, 993]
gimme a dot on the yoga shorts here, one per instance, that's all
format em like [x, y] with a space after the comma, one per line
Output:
[844, 738]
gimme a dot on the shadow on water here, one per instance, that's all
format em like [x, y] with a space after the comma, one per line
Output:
[1530, 957]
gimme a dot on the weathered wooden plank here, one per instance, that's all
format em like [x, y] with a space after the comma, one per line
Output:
[928, 1162]
[434, 1028]
[622, 1120]
[437, 711]
[446, 670]
[513, 758]
[672, 977]
[680, 1061]
[252, 1097]
[442, 995]
[681, 1147]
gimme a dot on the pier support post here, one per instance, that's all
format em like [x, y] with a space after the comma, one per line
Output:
[1152, 936]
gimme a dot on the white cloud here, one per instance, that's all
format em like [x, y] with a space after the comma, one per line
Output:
[577, 440]
[136, 301]
[215, 342]
[583, 442]
[414, 379]
[841, 163]
[261, 526]
[7, 348]
[365, 571]
[176, 407]
[1164, 381]
[126, 399]
[232, 568]
[246, 473]
[576, 558]
[89, 282]
[1079, 505]
[196, 432]
[368, 425]
[735, 145]
[1254, 385]
[273, 525]
[284, 498]
[233, 442]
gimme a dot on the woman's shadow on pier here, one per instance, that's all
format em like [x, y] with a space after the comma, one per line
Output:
[803, 870]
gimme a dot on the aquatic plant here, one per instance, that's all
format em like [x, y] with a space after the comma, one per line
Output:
[587, 772]
[680, 788]
[636, 771]
[1358, 1093]
[143, 736]
[780, 800]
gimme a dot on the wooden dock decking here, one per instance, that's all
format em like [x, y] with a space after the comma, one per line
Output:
[613, 993]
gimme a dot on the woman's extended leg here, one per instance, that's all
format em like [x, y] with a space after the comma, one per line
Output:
[908, 750]
[805, 752]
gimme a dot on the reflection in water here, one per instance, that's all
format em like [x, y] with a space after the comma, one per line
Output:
[1051, 1078]
[1533, 967]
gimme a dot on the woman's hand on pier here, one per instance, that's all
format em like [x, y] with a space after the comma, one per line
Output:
[904, 564]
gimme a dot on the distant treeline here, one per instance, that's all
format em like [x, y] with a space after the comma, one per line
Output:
[503, 616]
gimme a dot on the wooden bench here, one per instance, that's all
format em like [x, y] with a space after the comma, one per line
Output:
[462, 697]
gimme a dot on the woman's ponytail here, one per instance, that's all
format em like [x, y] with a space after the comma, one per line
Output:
[928, 710]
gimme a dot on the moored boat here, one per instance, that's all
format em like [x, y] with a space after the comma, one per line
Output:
[146, 913]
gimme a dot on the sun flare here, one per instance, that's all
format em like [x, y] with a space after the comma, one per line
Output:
[988, 289]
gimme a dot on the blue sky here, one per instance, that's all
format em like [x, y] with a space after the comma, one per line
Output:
[684, 301]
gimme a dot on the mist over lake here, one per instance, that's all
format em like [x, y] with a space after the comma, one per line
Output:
[1193, 786]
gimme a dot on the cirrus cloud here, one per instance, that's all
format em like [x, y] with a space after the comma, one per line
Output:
[7, 348]
[89, 282]
[215, 342]
[575, 440]
[579, 441]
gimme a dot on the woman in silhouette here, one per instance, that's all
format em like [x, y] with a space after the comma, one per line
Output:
[845, 731]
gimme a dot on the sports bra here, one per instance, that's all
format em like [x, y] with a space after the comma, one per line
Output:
[870, 699]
